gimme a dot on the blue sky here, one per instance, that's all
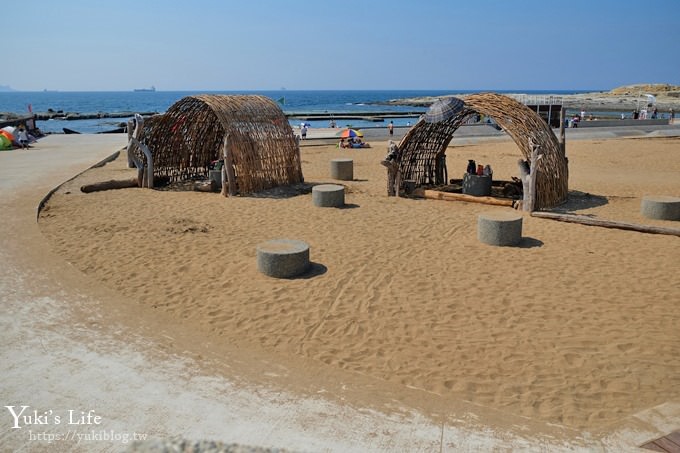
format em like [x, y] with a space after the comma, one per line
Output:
[265, 44]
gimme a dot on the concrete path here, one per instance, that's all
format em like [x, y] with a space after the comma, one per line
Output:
[97, 385]
[474, 133]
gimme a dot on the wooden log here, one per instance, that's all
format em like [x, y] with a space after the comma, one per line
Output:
[447, 196]
[229, 167]
[110, 185]
[528, 177]
[562, 139]
[583, 220]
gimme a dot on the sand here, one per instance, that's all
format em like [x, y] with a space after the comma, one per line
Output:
[577, 326]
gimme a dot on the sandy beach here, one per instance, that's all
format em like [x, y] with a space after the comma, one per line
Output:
[576, 327]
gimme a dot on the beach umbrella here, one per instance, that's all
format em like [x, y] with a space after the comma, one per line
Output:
[7, 134]
[443, 109]
[5, 143]
[347, 133]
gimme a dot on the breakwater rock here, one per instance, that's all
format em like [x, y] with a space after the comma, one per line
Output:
[622, 99]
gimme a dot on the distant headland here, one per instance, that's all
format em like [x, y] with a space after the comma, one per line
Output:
[623, 98]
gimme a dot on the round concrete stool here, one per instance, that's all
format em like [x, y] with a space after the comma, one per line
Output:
[283, 258]
[328, 195]
[661, 207]
[342, 169]
[499, 228]
[479, 186]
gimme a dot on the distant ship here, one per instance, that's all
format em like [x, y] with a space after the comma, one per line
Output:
[153, 88]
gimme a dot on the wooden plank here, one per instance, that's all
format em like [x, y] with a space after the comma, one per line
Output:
[653, 446]
[571, 218]
[447, 196]
[668, 445]
[674, 436]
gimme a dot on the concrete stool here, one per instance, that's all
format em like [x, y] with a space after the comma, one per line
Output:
[499, 228]
[342, 169]
[328, 195]
[479, 186]
[283, 258]
[661, 207]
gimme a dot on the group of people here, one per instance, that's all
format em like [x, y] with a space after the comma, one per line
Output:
[636, 114]
[353, 142]
[17, 137]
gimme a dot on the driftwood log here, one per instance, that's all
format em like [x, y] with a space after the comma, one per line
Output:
[109, 185]
[447, 196]
[583, 220]
[528, 172]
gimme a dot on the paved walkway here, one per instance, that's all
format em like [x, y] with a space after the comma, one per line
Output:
[69, 372]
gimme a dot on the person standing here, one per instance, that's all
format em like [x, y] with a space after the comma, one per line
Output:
[303, 131]
[671, 113]
[390, 128]
[23, 137]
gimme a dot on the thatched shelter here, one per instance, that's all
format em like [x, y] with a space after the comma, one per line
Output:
[422, 149]
[192, 134]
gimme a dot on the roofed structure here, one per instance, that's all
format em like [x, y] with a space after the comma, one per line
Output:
[422, 149]
[190, 136]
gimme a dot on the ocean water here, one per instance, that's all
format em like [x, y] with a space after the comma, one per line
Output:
[291, 101]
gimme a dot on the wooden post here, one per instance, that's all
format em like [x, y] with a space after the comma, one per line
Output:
[229, 167]
[131, 131]
[563, 144]
[528, 177]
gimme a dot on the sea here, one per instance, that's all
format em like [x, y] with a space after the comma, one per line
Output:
[290, 101]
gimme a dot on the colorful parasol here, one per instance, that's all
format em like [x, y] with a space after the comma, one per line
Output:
[347, 133]
[7, 134]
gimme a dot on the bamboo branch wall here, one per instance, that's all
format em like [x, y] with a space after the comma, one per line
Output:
[190, 136]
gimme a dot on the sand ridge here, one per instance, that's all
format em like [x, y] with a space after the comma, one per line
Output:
[573, 327]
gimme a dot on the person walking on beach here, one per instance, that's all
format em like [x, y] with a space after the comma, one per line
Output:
[671, 113]
[303, 131]
[390, 127]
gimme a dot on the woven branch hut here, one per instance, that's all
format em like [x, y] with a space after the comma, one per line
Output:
[422, 149]
[191, 135]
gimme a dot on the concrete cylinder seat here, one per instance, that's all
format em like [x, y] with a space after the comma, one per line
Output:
[328, 195]
[660, 207]
[283, 258]
[342, 169]
[501, 228]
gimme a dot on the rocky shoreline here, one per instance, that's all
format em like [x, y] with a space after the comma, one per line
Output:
[622, 99]
[70, 116]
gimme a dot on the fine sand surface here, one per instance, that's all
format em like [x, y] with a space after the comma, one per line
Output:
[577, 326]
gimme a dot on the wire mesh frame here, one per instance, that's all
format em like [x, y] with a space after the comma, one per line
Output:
[190, 136]
[423, 146]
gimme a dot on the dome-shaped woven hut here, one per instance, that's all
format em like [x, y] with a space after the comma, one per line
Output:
[190, 136]
[422, 149]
